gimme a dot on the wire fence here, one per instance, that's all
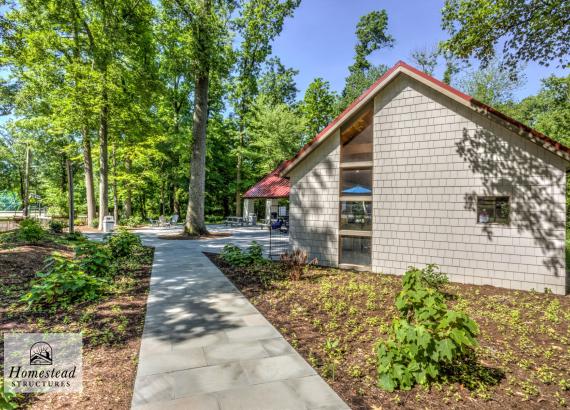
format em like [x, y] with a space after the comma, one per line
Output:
[278, 242]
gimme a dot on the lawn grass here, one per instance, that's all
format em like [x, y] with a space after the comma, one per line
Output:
[111, 326]
[334, 319]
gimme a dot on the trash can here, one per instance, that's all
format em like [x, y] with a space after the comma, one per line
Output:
[108, 223]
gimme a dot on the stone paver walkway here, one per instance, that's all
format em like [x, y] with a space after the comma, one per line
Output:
[205, 346]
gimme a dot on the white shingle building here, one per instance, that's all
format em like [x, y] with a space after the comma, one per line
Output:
[416, 172]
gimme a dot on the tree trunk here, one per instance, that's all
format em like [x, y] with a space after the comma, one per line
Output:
[238, 184]
[195, 213]
[70, 204]
[115, 194]
[26, 196]
[128, 198]
[88, 170]
[103, 157]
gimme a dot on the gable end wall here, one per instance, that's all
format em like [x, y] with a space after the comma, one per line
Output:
[432, 157]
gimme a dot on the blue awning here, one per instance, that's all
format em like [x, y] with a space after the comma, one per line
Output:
[357, 189]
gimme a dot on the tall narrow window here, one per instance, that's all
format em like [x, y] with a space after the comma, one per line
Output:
[355, 190]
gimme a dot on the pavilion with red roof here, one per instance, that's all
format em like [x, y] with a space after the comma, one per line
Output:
[272, 188]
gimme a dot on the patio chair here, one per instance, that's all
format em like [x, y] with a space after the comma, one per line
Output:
[153, 222]
[173, 220]
[162, 220]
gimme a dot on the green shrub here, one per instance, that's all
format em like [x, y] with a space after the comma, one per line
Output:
[30, 231]
[7, 399]
[123, 243]
[63, 282]
[433, 276]
[132, 221]
[427, 338]
[76, 236]
[55, 226]
[94, 258]
[236, 257]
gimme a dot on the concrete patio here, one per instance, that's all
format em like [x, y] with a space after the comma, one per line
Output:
[205, 346]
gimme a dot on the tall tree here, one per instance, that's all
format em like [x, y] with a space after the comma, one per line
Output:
[529, 30]
[205, 27]
[549, 110]
[491, 84]
[372, 34]
[278, 83]
[259, 23]
[318, 107]
[425, 58]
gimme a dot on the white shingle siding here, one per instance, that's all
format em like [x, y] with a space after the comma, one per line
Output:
[313, 203]
[432, 157]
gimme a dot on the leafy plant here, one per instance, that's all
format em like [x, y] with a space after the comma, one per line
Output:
[123, 243]
[94, 258]
[132, 221]
[426, 339]
[62, 282]
[6, 398]
[30, 231]
[236, 257]
[433, 276]
[55, 226]
[296, 261]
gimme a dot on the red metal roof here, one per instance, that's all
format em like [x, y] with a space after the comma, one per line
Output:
[475, 104]
[275, 186]
[272, 186]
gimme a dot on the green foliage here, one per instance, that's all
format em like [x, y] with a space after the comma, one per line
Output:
[372, 35]
[123, 243]
[276, 132]
[61, 283]
[318, 106]
[236, 257]
[492, 85]
[527, 30]
[8, 200]
[55, 226]
[94, 258]
[549, 110]
[132, 221]
[359, 81]
[425, 59]
[7, 400]
[30, 231]
[433, 276]
[426, 339]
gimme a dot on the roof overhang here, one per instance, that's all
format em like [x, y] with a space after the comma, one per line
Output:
[439, 86]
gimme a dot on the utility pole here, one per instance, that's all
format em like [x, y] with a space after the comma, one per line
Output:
[70, 193]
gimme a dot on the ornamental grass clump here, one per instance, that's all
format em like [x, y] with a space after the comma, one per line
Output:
[425, 340]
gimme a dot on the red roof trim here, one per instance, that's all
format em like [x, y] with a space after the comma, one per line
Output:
[558, 146]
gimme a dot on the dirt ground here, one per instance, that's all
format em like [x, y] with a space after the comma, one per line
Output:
[111, 327]
[334, 319]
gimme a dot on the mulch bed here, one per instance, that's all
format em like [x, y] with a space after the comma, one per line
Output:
[111, 327]
[523, 357]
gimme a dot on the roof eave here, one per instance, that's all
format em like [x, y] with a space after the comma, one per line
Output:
[464, 99]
